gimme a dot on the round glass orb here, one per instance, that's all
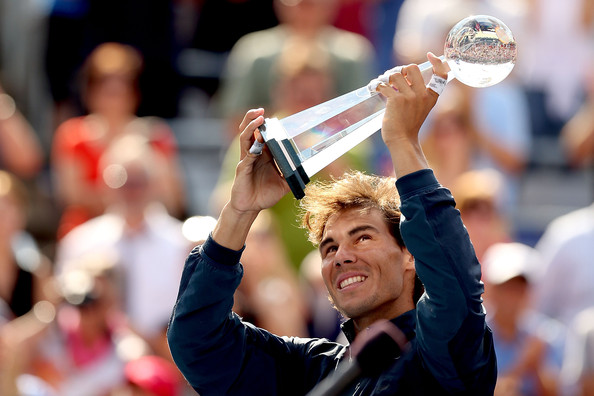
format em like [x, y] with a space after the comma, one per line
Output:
[480, 50]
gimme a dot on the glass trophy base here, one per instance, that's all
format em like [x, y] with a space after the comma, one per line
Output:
[306, 142]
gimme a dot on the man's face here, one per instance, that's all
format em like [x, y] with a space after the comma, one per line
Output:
[363, 267]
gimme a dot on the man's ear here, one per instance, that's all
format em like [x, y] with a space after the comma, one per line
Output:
[409, 260]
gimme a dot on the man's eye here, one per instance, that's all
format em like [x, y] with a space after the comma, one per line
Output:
[330, 250]
[364, 237]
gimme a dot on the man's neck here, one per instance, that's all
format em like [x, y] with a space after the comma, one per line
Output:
[405, 322]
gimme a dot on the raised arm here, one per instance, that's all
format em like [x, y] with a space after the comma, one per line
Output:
[408, 104]
[257, 186]
[207, 341]
[453, 338]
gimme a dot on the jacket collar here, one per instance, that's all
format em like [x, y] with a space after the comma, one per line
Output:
[405, 322]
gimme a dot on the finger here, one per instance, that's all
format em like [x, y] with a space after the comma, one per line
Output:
[246, 137]
[440, 68]
[413, 75]
[258, 136]
[258, 146]
[249, 117]
[386, 90]
[398, 81]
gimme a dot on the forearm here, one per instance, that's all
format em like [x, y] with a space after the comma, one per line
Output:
[233, 227]
[20, 149]
[434, 233]
[578, 137]
[451, 328]
[506, 159]
[408, 102]
[407, 157]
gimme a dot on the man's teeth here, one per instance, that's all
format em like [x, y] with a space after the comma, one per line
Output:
[350, 281]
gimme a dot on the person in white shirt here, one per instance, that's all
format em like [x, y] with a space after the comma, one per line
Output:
[146, 242]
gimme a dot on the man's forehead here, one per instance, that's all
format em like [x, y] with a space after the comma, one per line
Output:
[355, 216]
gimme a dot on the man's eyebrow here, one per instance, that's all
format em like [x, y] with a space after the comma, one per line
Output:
[325, 242]
[352, 232]
[360, 228]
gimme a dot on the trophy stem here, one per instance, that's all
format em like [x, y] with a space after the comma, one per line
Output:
[306, 142]
[480, 51]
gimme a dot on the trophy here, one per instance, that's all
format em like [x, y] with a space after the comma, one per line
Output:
[480, 51]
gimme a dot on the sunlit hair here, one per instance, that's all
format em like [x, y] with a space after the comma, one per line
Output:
[112, 60]
[352, 190]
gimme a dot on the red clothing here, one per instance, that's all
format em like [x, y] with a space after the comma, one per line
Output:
[74, 140]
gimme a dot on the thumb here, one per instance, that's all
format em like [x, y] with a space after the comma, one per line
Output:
[440, 68]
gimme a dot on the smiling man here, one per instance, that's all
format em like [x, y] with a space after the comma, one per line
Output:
[377, 237]
[368, 271]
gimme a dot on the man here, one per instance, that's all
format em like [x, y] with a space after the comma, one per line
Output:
[369, 273]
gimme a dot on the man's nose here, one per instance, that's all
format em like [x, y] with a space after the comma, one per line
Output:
[344, 255]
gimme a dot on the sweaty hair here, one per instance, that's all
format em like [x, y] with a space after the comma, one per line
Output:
[353, 190]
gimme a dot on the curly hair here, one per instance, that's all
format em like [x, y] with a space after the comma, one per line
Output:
[353, 190]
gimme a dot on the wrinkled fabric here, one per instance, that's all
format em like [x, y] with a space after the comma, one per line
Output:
[450, 346]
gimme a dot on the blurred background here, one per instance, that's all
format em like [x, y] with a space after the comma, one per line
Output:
[118, 127]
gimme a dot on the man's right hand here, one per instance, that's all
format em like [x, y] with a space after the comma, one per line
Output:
[258, 185]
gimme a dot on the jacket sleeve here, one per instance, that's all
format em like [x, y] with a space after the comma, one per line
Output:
[218, 353]
[454, 341]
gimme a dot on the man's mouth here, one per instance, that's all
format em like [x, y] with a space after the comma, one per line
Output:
[351, 280]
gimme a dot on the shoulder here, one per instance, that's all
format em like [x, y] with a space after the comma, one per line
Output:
[348, 44]
[568, 228]
[258, 44]
[69, 132]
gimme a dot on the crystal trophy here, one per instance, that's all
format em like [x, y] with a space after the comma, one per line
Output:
[480, 51]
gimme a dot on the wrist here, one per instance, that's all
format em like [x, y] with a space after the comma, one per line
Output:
[407, 157]
[233, 227]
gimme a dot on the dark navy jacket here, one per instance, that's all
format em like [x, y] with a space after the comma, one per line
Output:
[451, 348]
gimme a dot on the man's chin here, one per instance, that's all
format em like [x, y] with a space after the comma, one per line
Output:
[352, 310]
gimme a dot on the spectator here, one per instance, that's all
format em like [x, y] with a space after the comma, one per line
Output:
[563, 286]
[375, 20]
[76, 27]
[147, 243]
[577, 374]
[557, 37]
[249, 71]
[20, 149]
[71, 347]
[25, 270]
[150, 376]
[303, 79]
[479, 130]
[478, 197]
[577, 135]
[111, 94]
[270, 296]
[528, 346]
[207, 42]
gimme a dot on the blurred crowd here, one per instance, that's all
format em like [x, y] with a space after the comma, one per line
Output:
[96, 204]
